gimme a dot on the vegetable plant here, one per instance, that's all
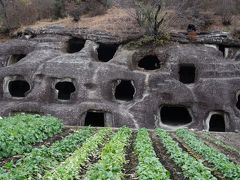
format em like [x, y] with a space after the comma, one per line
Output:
[149, 166]
[192, 168]
[219, 160]
[110, 165]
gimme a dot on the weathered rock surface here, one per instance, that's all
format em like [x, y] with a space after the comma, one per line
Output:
[185, 84]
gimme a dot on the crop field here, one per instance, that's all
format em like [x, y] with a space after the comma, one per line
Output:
[40, 147]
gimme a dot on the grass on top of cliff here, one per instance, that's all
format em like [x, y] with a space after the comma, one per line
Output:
[116, 21]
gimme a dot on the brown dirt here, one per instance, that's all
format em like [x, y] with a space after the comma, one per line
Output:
[93, 158]
[47, 142]
[130, 167]
[230, 154]
[176, 172]
[197, 156]
[115, 21]
[231, 139]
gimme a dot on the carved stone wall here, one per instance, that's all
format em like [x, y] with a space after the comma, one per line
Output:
[102, 83]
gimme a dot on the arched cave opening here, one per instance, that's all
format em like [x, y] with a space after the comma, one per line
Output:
[106, 52]
[187, 73]
[75, 45]
[13, 59]
[18, 88]
[65, 89]
[95, 119]
[150, 62]
[222, 48]
[125, 90]
[217, 123]
[175, 115]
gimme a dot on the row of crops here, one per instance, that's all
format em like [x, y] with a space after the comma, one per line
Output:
[90, 153]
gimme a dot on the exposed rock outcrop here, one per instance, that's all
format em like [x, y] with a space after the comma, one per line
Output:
[184, 84]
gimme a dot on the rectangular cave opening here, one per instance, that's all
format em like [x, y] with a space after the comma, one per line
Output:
[175, 115]
[187, 73]
[95, 119]
[217, 123]
[222, 48]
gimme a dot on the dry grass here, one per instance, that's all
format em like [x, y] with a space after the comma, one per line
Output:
[121, 22]
[115, 21]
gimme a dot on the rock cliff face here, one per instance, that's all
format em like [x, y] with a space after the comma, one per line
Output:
[93, 79]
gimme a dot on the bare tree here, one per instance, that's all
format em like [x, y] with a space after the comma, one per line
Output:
[153, 16]
[149, 16]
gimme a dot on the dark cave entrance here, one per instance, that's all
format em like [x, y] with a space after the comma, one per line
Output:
[106, 52]
[75, 45]
[124, 90]
[13, 59]
[95, 119]
[238, 101]
[150, 62]
[222, 48]
[187, 73]
[175, 115]
[217, 123]
[18, 88]
[65, 89]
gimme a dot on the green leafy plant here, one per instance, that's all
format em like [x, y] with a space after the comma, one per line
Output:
[40, 160]
[219, 160]
[149, 166]
[112, 158]
[69, 169]
[220, 143]
[18, 133]
[192, 168]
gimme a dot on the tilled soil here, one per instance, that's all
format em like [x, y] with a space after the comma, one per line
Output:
[93, 158]
[176, 172]
[197, 156]
[130, 167]
[47, 142]
[231, 139]
[233, 156]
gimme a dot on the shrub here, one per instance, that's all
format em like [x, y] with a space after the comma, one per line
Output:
[91, 8]
[59, 8]
[146, 40]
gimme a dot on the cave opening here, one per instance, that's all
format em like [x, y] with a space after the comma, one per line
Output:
[18, 88]
[75, 45]
[95, 119]
[175, 115]
[187, 73]
[150, 62]
[222, 48]
[217, 123]
[106, 52]
[65, 89]
[124, 90]
[238, 101]
[13, 59]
